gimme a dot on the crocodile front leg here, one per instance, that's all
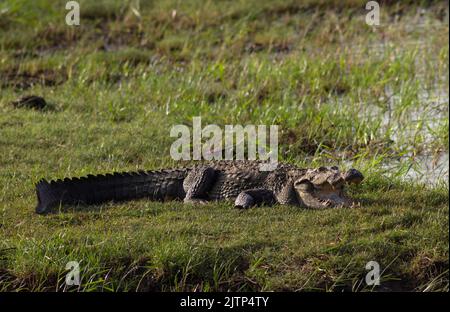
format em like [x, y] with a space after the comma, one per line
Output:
[254, 197]
[197, 184]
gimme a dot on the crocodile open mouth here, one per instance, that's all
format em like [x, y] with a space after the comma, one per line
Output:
[324, 187]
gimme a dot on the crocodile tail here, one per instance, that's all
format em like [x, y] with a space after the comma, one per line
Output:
[156, 185]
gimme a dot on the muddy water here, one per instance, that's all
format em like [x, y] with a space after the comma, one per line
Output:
[427, 169]
[429, 166]
[429, 116]
[414, 130]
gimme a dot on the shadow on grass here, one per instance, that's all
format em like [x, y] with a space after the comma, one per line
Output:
[204, 268]
[172, 267]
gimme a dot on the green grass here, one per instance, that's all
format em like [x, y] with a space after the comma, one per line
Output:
[342, 92]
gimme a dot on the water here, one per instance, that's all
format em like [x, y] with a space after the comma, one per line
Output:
[426, 169]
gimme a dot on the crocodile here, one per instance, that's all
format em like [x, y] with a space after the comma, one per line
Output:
[241, 181]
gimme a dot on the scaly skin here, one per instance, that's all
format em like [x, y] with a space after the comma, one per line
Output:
[241, 181]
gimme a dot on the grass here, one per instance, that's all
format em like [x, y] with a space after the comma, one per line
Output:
[342, 92]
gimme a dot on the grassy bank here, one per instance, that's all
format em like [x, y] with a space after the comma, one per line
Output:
[342, 92]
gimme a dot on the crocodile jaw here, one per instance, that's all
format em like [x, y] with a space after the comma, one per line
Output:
[324, 187]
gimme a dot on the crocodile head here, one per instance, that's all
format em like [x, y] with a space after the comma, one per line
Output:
[324, 187]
